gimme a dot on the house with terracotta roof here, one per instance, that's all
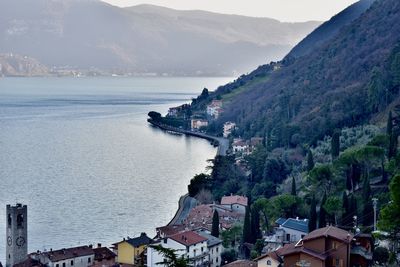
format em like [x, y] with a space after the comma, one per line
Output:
[325, 247]
[131, 251]
[82, 256]
[235, 203]
[188, 244]
[103, 257]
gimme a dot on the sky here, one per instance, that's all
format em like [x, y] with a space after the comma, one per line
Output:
[284, 10]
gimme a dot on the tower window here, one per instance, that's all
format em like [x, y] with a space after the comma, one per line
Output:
[89, 260]
[9, 220]
[72, 263]
[20, 220]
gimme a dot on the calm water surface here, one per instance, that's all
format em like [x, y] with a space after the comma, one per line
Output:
[81, 155]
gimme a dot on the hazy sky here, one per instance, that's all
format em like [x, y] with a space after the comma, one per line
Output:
[285, 10]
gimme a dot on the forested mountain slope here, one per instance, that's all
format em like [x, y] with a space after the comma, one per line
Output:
[344, 82]
[330, 28]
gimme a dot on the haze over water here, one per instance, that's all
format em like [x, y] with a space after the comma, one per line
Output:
[81, 155]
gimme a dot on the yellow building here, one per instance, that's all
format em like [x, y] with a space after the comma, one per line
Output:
[131, 251]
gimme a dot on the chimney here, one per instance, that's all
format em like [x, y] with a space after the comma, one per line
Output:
[90, 246]
[98, 245]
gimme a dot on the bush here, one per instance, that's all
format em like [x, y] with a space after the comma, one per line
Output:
[381, 255]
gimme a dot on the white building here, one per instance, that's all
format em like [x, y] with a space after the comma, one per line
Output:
[293, 229]
[235, 203]
[215, 108]
[215, 248]
[71, 257]
[188, 244]
[196, 124]
[239, 146]
[228, 128]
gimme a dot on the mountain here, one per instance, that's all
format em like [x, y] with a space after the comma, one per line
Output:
[17, 65]
[90, 34]
[345, 82]
[330, 28]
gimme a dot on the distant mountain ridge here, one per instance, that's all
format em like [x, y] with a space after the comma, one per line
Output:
[90, 34]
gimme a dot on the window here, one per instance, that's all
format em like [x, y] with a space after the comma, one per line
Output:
[302, 236]
[217, 249]
[72, 263]
[9, 220]
[63, 264]
[57, 265]
[269, 262]
[202, 249]
[334, 245]
[20, 220]
[287, 237]
[89, 260]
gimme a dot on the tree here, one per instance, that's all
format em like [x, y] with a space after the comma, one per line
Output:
[322, 213]
[312, 223]
[368, 215]
[170, 257]
[389, 219]
[389, 125]
[228, 256]
[255, 224]
[294, 192]
[247, 238]
[335, 144]
[215, 224]
[310, 160]
[346, 210]
[332, 206]
[321, 177]
[155, 116]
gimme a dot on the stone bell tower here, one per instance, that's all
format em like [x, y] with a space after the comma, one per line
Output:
[16, 234]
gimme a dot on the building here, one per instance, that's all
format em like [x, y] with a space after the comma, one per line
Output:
[271, 259]
[215, 109]
[241, 263]
[188, 244]
[361, 250]
[196, 124]
[235, 203]
[103, 257]
[82, 256]
[328, 246]
[228, 128]
[131, 250]
[215, 248]
[17, 234]
[293, 229]
[239, 146]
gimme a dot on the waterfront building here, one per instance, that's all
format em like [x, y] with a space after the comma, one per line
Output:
[188, 244]
[196, 124]
[235, 203]
[215, 248]
[103, 257]
[132, 250]
[228, 128]
[16, 234]
[82, 256]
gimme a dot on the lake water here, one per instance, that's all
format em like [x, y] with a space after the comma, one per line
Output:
[80, 154]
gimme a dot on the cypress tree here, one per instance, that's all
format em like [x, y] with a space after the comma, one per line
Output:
[349, 182]
[368, 216]
[310, 160]
[346, 210]
[294, 191]
[389, 126]
[312, 223]
[215, 224]
[255, 225]
[322, 213]
[247, 227]
[392, 151]
[335, 144]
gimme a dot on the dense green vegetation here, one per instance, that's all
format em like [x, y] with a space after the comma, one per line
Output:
[330, 123]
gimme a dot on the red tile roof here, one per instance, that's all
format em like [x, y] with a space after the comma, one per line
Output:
[68, 253]
[229, 200]
[103, 253]
[188, 238]
[330, 231]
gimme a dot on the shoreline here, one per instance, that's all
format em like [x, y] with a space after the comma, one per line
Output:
[186, 203]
